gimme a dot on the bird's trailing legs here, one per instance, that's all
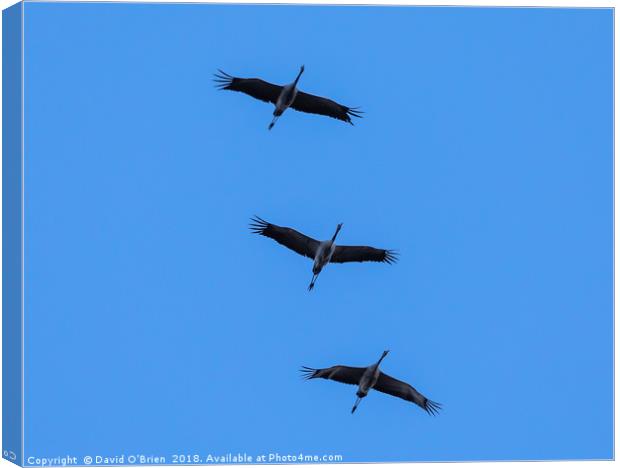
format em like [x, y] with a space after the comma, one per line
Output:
[273, 122]
[357, 402]
[314, 277]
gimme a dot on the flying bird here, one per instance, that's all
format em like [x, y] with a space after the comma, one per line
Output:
[322, 252]
[286, 96]
[367, 378]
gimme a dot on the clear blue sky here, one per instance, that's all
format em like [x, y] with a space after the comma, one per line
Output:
[158, 324]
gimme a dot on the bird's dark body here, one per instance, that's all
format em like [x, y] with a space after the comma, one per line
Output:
[285, 100]
[322, 258]
[369, 380]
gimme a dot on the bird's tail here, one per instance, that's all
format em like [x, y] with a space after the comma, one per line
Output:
[357, 402]
[311, 287]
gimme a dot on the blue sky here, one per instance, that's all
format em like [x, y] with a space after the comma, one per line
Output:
[156, 323]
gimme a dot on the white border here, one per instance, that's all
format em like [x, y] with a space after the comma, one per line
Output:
[23, 245]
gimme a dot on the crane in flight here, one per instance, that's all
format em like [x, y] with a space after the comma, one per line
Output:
[322, 252]
[367, 378]
[286, 96]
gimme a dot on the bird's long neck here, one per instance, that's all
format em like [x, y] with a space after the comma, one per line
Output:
[338, 228]
[301, 70]
[385, 353]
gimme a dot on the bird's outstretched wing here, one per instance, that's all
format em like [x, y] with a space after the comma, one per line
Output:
[288, 237]
[305, 102]
[343, 374]
[395, 387]
[352, 253]
[254, 87]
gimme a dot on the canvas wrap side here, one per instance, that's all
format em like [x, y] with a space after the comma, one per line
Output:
[12, 215]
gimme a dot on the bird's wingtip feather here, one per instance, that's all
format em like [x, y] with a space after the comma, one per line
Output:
[432, 407]
[258, 225]
[391, 256]
[355, 112]
[223, 79]
[307, 372]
